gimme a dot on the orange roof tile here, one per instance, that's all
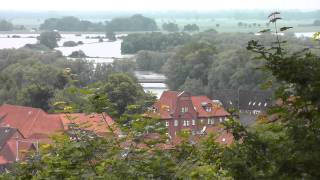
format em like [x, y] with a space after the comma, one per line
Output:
[91, 122]
[217, 110]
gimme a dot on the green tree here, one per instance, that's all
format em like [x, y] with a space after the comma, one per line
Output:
[191, 28]
[35, 96]
[5, 25]
[122, 90]
[136, 22]
[111, 36]
[316, 23]
[49, 39]
[170, 27]
[282, 145]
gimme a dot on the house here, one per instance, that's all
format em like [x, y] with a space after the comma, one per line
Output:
[250, 103]
[101, 124]
[32, 123]
[181, 111]
[23, 128]
[13, 146]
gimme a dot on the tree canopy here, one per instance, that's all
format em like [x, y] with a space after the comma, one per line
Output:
[170, 27]
[5, 25]
[70, 23]
[136, 22]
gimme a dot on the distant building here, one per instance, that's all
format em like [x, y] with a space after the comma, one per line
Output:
[22, 128]
[33, 123]
[13, 146]
[197, 114]
[249, 103]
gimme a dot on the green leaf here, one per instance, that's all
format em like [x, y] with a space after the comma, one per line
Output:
[285, 28]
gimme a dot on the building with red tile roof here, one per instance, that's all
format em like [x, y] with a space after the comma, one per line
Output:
[33, 123]
[101, 124]
[197, 114]
[13, 146]
[24, 126]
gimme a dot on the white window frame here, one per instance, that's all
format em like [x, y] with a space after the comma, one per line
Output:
[188, 123]
[220, 119]
[184, 109]
[167, 123]
[193, 122]
[176, 122]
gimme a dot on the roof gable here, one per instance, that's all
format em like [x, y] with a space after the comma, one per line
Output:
[30, 121]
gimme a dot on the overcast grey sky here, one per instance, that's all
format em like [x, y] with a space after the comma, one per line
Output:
[157, 4]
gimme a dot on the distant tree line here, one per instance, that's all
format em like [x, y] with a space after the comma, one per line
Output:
[155, 41]
[8, 26]
[134, 23]
[71, 23]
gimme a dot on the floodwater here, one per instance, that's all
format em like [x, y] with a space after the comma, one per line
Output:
[99, 52]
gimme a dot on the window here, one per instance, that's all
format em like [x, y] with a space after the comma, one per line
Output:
[176, 122]
[184, 109]
[210, 121]
[167, 123]
[208, 109]
[185, 123]
[221, 119]
[193, 122]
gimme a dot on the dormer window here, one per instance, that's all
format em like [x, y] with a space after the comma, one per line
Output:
[176, 122]
[208, 108]
[184, 109]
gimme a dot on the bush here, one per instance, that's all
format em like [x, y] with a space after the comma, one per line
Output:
[70, 44]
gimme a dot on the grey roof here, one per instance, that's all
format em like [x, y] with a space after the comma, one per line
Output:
[5, 134]
[228, 97]
[255, 100]
[244, 99]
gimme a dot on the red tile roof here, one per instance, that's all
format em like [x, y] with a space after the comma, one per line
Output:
[167, 104]
[217, 110]
[223, 137]
[8, 147]
[31, 122]
[91, 122]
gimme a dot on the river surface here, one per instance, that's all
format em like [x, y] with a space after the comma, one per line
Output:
[101, 52]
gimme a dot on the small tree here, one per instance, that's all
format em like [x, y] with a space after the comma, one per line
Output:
[191, 27]
[111, 36]
[49, 39]
[171, 27]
